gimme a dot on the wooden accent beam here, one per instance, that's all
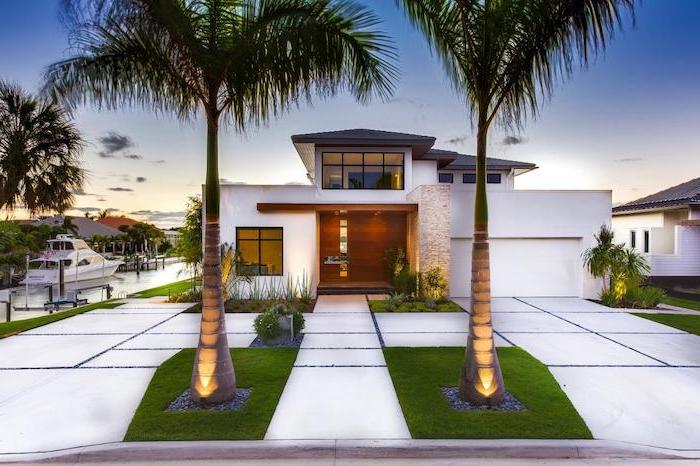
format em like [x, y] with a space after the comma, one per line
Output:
[290, 207]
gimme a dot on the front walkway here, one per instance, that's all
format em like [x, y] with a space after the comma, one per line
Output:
[340, 387]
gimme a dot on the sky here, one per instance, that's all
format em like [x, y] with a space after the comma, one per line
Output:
[629, 123]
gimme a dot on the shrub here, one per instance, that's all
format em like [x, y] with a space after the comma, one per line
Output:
[267, 324]
[395, 301]
[406, 282]
[644, 297]
[431, 303]
[433, 283]
[609, 298]
[189, 296]
[395, 260]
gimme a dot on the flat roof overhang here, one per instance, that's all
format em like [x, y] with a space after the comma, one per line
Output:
[265, 207]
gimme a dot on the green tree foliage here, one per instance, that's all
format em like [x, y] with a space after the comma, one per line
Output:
[189, 246]
[39, 153]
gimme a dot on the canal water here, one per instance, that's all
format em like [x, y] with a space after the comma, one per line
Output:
[123, 283]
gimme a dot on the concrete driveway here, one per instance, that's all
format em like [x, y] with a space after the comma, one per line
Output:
[631, 379]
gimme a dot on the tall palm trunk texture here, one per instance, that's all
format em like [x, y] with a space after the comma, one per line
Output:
[213, 378]
[481, 381]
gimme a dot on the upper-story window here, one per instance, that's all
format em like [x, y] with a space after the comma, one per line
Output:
[633, 239]
[646, 241]
[469, 178]
[363, 170]
[493, 178]
[445, 177]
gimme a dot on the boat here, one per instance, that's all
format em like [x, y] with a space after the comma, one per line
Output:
[80, 263]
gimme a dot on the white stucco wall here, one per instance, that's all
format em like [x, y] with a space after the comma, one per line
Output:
[507, 180]
[685, 262]
[537, 238]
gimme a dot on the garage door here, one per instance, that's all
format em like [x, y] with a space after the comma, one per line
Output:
[522, 267]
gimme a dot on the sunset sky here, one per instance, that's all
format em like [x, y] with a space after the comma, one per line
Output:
[630, 123]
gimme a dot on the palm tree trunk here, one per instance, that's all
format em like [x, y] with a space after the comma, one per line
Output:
[213, 378]
[480, 380]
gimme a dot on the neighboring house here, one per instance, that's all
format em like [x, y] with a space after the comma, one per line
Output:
[666, 227]
[374, 190]
[116, 222]
[86, 228]
[172, 235]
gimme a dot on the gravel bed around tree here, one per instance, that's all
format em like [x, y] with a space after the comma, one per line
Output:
[295, 343]
[184, 402]
[510, 403]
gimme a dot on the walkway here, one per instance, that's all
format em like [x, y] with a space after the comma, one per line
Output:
[340, 387]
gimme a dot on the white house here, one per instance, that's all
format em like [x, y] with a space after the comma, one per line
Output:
[374, 190]
[664, 226]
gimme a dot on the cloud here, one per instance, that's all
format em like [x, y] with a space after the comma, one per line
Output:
[105, 155]
[121, 189]
[405, 101]
[456, 140]
[86, 209]
[140, 179]
[81, 192]
[159, 215]
[102, 199]
[629, 159]
[133, 156]
[158, 161]
[114, 142]
[513, 140]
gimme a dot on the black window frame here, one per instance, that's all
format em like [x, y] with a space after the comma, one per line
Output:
[633, 239]
[489, 178]
[471, 176]
[646, 241]
[342, 166]
[450, 176]
[260, 240]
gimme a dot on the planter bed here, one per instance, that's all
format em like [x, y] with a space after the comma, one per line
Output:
[255, 306]
[264, 370]
[420, 374]
[415, 306]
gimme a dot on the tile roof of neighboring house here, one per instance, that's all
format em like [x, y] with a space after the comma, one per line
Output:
[116, 222]
[684, 194]
[87, 228]
[451, 160]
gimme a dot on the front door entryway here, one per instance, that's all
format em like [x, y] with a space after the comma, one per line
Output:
[353, 244]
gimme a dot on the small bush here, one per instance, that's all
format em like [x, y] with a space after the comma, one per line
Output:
[189, 296]
[267, 324]
[406, 282]
[433, 283]
[609, 298]
[644, 297]
[431, 303]
[395, 301]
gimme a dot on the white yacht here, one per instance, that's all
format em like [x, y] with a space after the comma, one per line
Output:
[79, 263]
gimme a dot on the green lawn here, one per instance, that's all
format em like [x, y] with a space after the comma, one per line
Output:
[687, 323]
[166, 290]
[682, 302]
[265, 370]
[415, 306]
[419, 373]
[10, 328]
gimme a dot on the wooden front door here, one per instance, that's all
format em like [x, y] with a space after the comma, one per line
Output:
[352, 245]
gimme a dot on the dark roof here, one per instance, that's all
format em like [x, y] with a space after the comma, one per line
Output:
[360, 136]
[681, 195]
[451, 160]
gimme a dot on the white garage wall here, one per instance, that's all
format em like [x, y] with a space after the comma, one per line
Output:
[523, 267]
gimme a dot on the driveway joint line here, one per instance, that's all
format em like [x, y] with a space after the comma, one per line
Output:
[596, 333]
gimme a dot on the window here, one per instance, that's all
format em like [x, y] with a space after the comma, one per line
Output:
[493, 178]
[633, 239]
[469, 178]
[260, 250]
[646, 241]
[445, 177]
[360, 170]
[83, 263]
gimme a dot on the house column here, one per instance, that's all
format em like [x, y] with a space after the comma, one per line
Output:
[429, 229]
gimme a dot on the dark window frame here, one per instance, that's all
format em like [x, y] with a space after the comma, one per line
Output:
[646, 241]
[471, 175]
[633, 239]
[342, 166]
[451, 177]
[497, 175]
[260, 241]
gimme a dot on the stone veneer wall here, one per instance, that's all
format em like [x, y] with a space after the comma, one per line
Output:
[430, 229]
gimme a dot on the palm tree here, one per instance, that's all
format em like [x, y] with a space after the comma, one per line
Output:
[504, 56]
[236, 61]
[39, 153]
